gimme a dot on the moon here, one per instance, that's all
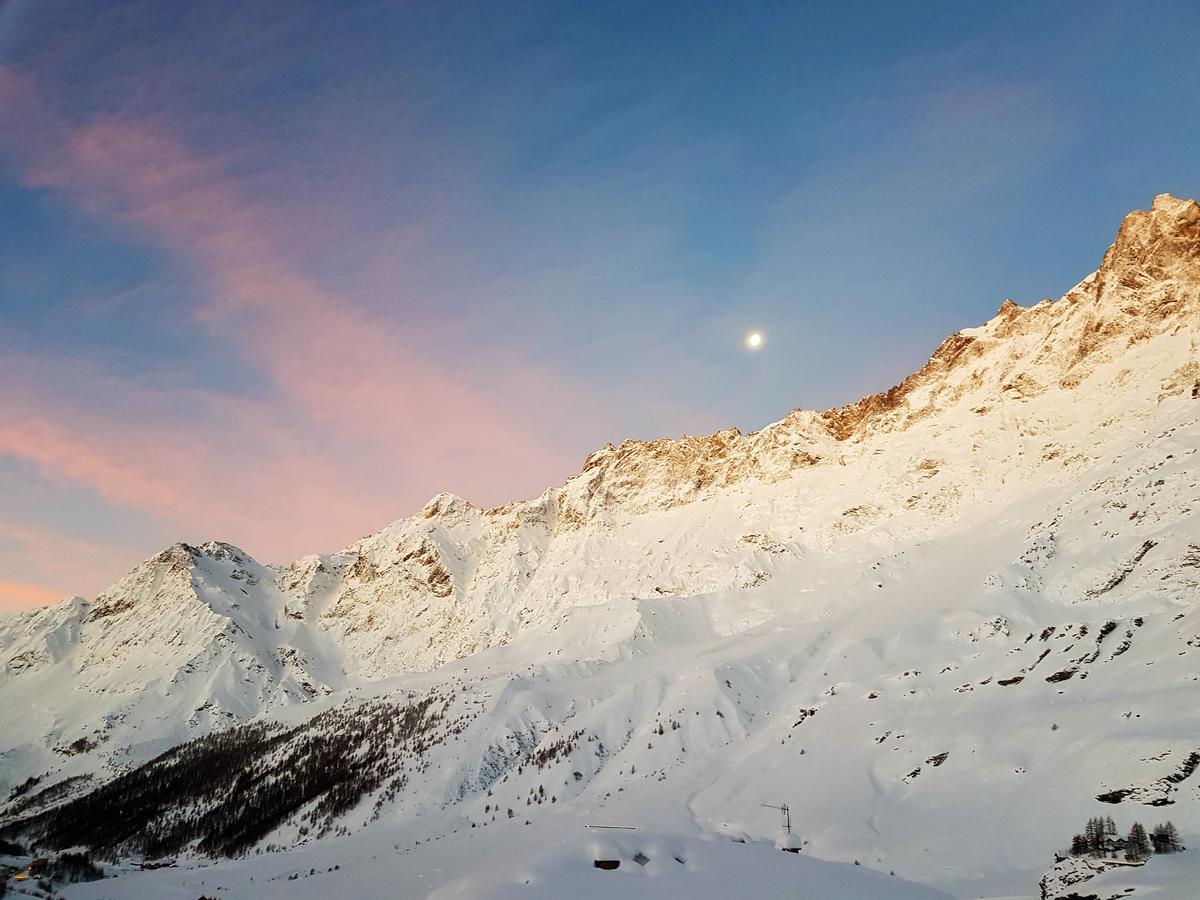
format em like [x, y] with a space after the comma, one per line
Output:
[754, 340]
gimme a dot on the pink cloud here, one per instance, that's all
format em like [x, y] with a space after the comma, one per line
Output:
[338, 364]
[62, 450]
[48, 560]
[360, 427]
[17, 597]
[228, 468]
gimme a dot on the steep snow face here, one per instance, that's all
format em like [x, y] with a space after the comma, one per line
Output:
[913, 618]
[1033, 398]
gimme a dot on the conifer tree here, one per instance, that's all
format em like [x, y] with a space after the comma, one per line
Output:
[1079, 845]
[1165, 838]
[1137, 846]
[1094, 832]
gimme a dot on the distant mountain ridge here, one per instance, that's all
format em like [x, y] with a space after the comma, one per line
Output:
[1038, 472]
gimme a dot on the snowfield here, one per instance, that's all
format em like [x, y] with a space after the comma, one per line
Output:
[553, 860]
[946, 625]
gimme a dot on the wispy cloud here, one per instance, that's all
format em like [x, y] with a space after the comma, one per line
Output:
[336, 363]
[48, 561]
[358, 425]
[15, 596]
[209, 465]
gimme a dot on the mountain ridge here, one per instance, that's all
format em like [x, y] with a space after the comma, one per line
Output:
[1149, 244]
[1004, 537]
[1155, 251]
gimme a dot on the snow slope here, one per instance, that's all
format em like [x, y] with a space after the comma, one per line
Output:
[940, 623]
[557, 861]
[191, 640]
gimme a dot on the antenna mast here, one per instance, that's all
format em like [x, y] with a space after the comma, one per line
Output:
[787, 814]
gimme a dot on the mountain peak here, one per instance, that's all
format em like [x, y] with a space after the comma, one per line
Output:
[222, 550]
[445, 505]
[1009, 310]
[1171, 204]
[1162, 242]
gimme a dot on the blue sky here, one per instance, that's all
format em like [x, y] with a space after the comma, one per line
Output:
[275, 273]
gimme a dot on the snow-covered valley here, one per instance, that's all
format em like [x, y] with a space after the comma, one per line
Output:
[946, 625]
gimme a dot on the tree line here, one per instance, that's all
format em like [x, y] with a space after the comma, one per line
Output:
[1100, 838]
[223, 793]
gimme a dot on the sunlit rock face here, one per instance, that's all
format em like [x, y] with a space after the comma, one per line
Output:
[1029, 397]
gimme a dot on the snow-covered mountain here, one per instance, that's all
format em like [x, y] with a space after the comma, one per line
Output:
[945, 624]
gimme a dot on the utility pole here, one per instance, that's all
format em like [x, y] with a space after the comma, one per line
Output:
[787, 814]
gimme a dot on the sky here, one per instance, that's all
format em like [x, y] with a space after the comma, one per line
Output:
[276, 273]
